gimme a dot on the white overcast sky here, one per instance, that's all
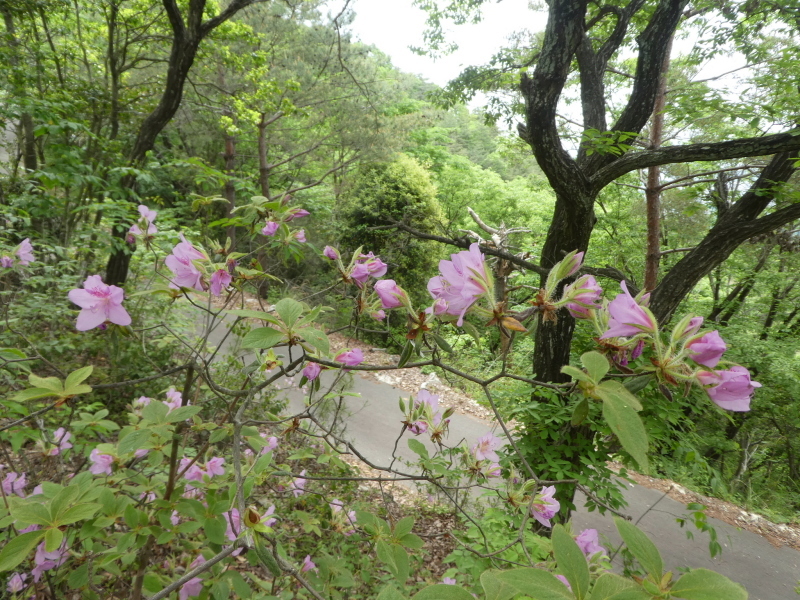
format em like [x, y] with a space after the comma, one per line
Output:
[394, 25]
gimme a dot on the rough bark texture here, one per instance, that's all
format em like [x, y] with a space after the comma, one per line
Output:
[577, 182]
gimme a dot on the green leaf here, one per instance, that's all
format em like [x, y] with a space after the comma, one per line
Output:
[637, 384]
[596, 365]
[571, 561]
[418, 447]
[613, 587]
[316, 338]
[253, 314]
[580, 413]
[33, 394]
[403, 526]
[537, 583]
[495, 588]
[77, 377]
[49, 383]
[626, 425]
[31, 513]
[65, 498]
[406, 354]
[473, 331]
[702, 584]
[390, 593]
[395, 558]
[135, 440]
[52, 539]
[575, 373]
[262, 338]
[442, 343]
[182, 413]
[615, 387]
[215, 528]
[79, 512]
[414, 542]
[266, 557]
[289, 311]
[443, 592]
[79, 577]
[641, 547]
[18, 549]
[155, 412]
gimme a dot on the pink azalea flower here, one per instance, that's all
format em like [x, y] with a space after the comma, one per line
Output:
[6, 262]
[101, 463]
[272, 443]
[16, 583]
[331, 253]
[374, 265]
[707, 350]
[266, 519]
[214, 466]
[448, 581]
[270, 228]
[175, 399]
[296, 213]
[99, 303]
[418, 427]
[694, 326]
[312, 371]
[220, 280]
[145, 220]
[391, 295]
[463, 280]
[191, 588]
[627, 317]
[493, 470]
[588, 541]
[563, 580]
[351, 358]
[61, 438]
[731, 389]
[546, 506]
[486, 446]
[24, 252]
[308, 565]
[298, 486]
[175, 518]
[378, 315]
[584, 294]
[360, 273]
[185, 273]
[300, 235]
[14, 483]
[141, 402]
[45, 561]
[193, 473]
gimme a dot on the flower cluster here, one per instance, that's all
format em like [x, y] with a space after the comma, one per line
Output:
[144, 227]
[279, 219]
[423, 416]
[23, 252]
[462, 281]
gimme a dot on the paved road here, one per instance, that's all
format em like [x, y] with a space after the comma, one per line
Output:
[767, 572]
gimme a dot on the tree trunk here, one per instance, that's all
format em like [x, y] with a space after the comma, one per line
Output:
[186, 37]
[653, 189]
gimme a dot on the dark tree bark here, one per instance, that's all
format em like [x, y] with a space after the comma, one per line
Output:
[577, 182]
[187, 34]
